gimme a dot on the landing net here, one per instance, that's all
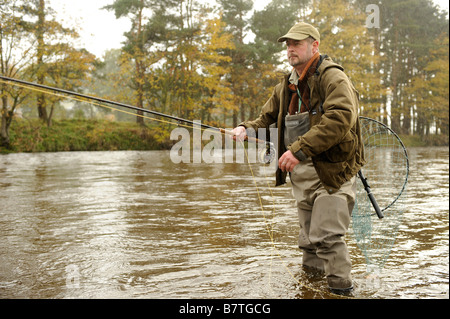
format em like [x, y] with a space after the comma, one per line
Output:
[386, 172]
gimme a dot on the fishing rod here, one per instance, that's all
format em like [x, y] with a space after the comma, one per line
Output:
[268, 155]
[268, 144]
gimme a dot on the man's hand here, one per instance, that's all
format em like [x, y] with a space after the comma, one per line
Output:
[287, 162]
[239, 133]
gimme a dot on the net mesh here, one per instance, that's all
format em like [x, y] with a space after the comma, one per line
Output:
[386, 171]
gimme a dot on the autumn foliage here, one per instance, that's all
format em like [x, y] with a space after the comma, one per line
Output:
[218, 64]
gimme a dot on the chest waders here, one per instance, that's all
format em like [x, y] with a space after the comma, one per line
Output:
[295, 125]
[323, 218]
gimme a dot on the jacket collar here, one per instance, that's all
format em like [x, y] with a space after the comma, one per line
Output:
[309, 70]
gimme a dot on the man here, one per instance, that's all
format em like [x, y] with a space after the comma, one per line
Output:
[315, 108]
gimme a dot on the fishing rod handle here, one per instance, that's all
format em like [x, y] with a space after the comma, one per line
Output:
[247, 138]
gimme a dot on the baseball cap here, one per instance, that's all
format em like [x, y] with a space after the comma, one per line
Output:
[301, 31]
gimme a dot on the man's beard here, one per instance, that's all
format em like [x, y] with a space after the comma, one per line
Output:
[295, 61]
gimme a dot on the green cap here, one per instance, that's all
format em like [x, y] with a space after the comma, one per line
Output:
[301, 31]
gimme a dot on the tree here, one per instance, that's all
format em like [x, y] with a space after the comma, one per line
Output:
[235, 16]
[69, 70]
[14, 57]
[107, 82]
[188, 81]
[429, 91]
[216, 92]
[346, 39]
[404, 40]
[146, 29]
[271, 23]
[267, 55]
[183, 57]
[52, 51]
[438, 67]
[135, 44]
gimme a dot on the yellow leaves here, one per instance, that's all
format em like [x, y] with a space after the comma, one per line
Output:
[189, 76]
[347, 40]
[438, 66]
[217, 38]
[216, 66]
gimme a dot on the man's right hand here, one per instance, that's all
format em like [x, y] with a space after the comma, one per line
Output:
[240, 133]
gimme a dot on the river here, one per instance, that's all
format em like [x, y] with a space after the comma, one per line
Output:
[131, 224]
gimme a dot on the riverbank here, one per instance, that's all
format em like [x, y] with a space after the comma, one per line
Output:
[83, 135]
[103, 135]
[419, 141]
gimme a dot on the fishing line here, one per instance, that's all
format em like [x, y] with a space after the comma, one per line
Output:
[388, 166]
[269, 227]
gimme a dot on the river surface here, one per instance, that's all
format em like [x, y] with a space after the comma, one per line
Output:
[135, 225]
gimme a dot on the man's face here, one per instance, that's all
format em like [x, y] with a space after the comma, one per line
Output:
[300, 52]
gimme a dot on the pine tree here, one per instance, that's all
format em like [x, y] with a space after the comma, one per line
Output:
[136, 40]
[235, 16]
[405, 39]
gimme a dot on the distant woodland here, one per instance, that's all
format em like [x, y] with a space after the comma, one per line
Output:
[218, 62]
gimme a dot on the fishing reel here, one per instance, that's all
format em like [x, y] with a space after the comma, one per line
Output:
[268, 154]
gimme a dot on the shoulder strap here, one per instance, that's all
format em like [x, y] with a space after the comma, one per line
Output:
[327, 63]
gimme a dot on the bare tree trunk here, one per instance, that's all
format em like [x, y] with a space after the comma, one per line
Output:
[140, 68]
[5, 123]
[42, 110]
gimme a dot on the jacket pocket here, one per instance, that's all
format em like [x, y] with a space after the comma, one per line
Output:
[331, 175]
[344, 150]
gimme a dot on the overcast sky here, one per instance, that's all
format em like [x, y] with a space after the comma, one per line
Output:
[101, 31]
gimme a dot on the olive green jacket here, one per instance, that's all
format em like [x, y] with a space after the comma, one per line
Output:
[334, 139]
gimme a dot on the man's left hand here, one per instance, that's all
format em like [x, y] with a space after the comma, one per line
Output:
[287, 162]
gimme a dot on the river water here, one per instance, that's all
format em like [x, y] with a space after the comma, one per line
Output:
[135, 225]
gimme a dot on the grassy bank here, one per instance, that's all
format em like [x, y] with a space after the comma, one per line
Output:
[418, 141]
[83, 135]
[102, 135]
